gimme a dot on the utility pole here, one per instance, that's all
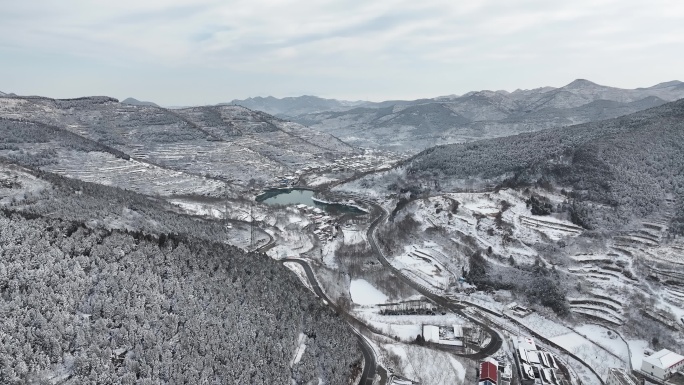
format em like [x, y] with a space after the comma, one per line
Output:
[252, 229]
[225, 205]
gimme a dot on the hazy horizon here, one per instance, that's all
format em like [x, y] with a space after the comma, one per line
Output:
[183, 52]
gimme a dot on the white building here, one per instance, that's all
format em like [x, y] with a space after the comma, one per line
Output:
[431, 333]
[618, 376]
[663, 364]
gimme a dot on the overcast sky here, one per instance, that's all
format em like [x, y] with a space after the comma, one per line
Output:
[189, 52]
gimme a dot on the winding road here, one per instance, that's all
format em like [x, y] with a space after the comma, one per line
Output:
[370, 367]
[370, 363]
[495, 338]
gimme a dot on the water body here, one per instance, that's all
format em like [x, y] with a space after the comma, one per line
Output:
[289, 197]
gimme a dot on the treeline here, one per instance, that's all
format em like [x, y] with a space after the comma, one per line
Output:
[633, 165]
[106, 206]
[215, 292]
[36, 141]
[101, 306]
[539, 284]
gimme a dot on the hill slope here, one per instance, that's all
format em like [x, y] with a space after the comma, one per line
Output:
[86, 303]
[182, 149]
[136, 102]
[293, 106]
[615, 169]
[479, 115]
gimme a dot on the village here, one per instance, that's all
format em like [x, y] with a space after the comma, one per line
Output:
[317, 174]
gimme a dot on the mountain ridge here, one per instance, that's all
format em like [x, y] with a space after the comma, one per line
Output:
[413, 125]
[136, 102]
[615, 169]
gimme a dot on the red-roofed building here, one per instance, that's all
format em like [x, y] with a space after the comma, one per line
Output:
[489, 371]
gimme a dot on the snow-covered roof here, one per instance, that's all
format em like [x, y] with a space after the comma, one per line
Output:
[431, 333]
[622, 377]
[526, 343]
[528, 371]
[664, 359]
[533, 358]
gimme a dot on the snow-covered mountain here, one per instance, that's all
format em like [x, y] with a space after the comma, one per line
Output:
[414, 125]
[136, 102]
[293, 106]
[187, 149]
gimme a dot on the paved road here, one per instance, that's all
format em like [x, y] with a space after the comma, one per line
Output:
[370, 364]
[382, 215]
[268, 245]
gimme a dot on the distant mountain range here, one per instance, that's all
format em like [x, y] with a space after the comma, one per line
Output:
[136, 102]
[419, 124]
[293, 106]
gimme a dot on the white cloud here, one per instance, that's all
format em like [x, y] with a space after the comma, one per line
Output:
[328, 40]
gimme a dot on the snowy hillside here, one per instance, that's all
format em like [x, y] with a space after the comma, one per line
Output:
[478, 115]
[205, 146]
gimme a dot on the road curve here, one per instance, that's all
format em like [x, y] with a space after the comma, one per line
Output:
[495, 338]
[370, 363]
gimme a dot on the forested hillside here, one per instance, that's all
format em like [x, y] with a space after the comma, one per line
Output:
[633, 165]
[161, 300]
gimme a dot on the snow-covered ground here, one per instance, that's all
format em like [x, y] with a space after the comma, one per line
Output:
[299, 350]
[636, 350]
[404, 327]
[605, 338]
[428, 366]
[420, 264]
[600, 359]
[363, 293]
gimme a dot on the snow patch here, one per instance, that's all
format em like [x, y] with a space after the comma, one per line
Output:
[363, 293]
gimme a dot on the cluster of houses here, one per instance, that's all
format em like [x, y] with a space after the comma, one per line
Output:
[324, 225]
[535, 366]
[287, 180]
[454, 335]
[360, 163]
[493, 373]
[356, 163]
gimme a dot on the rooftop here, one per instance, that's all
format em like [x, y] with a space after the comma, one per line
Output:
[488, 371]
[622, 377]
[664, 359]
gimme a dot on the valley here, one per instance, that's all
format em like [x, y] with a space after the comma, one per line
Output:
[401, 266]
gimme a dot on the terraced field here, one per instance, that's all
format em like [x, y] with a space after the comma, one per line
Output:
[131, 174]
[229, 143]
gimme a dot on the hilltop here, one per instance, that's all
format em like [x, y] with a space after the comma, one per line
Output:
[135, 102]
[293, 106]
